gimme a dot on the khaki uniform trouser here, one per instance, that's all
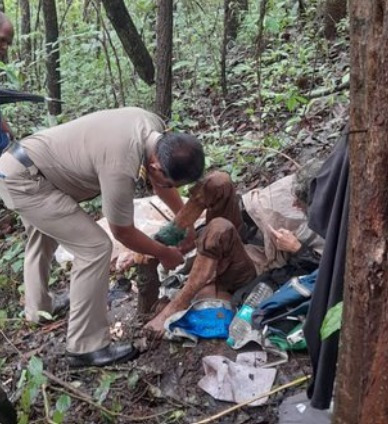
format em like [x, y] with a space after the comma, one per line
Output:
[220, 240]
[51, 217]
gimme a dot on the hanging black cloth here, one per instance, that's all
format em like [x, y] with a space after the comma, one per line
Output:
[328, 216]
[13, 96]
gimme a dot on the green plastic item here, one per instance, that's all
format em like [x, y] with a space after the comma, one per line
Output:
[283, 344]
[170, 235]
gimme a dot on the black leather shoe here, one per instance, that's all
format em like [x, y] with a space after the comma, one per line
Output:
[113, 353]
[61, 304]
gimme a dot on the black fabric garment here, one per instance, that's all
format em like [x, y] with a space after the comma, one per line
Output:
[13, 96]
[304, 262]
[328, 216]
[8, 413]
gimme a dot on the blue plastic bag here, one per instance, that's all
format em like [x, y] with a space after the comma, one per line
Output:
[209, 323]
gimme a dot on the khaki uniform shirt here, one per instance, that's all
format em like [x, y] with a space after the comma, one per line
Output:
[98, 153]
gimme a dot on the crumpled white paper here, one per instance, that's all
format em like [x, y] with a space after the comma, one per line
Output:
[237, 381]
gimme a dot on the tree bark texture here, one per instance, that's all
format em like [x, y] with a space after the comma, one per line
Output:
[26, 30]
[52, 48]
[164, 46]
[233, 10]
[148, 286]
[130, 39]
[334, 11]
[362, 382]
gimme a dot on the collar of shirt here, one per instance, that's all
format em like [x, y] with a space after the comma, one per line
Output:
[149, 145]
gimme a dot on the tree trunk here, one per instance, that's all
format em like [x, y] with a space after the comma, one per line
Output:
[232, 17]
[52, 62]
[130, 39]
[334, 11]
[164, 33]
[233, 10]
[362, 383]
[26, 30]
[148, 286]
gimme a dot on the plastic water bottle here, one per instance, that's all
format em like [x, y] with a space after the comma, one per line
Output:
[240, 329]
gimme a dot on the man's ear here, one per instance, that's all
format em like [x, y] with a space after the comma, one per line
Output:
[154, 164]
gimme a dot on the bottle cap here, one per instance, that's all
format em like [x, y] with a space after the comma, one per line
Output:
[230, 341]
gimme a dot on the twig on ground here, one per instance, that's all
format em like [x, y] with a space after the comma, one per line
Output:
[46, 405]
[112, 413]
[53, 326]
[77, 394]
[325, 92]
[263, 395]
[271, 149]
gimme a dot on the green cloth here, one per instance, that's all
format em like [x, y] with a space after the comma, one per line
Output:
[283, 344]
[170, 235]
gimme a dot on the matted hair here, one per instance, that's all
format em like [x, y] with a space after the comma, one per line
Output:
[303, 179]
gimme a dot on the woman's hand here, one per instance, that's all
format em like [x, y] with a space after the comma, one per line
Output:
[285, 240]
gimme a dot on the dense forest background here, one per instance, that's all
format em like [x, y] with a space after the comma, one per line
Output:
[254, 76]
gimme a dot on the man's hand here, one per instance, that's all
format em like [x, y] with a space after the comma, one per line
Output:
[285, 240]
[171, 258]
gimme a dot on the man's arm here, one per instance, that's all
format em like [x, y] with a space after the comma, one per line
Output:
[172, 198]
[134, 239]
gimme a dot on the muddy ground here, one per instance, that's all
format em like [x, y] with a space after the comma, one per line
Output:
[159, 387]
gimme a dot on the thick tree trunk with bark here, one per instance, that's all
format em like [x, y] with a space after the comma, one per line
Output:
[334, 11]
[26, 30]
[164, 34]
[52, 48]
[362, 383]
[130, 39]
[233, 10]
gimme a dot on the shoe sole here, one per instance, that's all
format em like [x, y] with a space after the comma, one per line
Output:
[74, 362]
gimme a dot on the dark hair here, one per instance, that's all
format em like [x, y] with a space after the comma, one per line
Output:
[303, 178]
[181, 157]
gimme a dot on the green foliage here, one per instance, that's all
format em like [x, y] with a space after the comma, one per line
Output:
[332, 321]
[13, 256]
[12, 74]
[133, 379]
[103, 389]
[31, 382]
[3, 318]
[62, 406]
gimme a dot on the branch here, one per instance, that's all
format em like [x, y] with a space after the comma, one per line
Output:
[263, 395]
[77, 394]
[325, 92]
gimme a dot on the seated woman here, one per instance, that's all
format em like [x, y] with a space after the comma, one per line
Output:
[238, 243]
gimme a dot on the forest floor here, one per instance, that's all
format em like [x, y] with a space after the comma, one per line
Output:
[161, 385]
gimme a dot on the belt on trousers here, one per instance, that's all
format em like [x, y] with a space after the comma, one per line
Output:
[18, 152]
